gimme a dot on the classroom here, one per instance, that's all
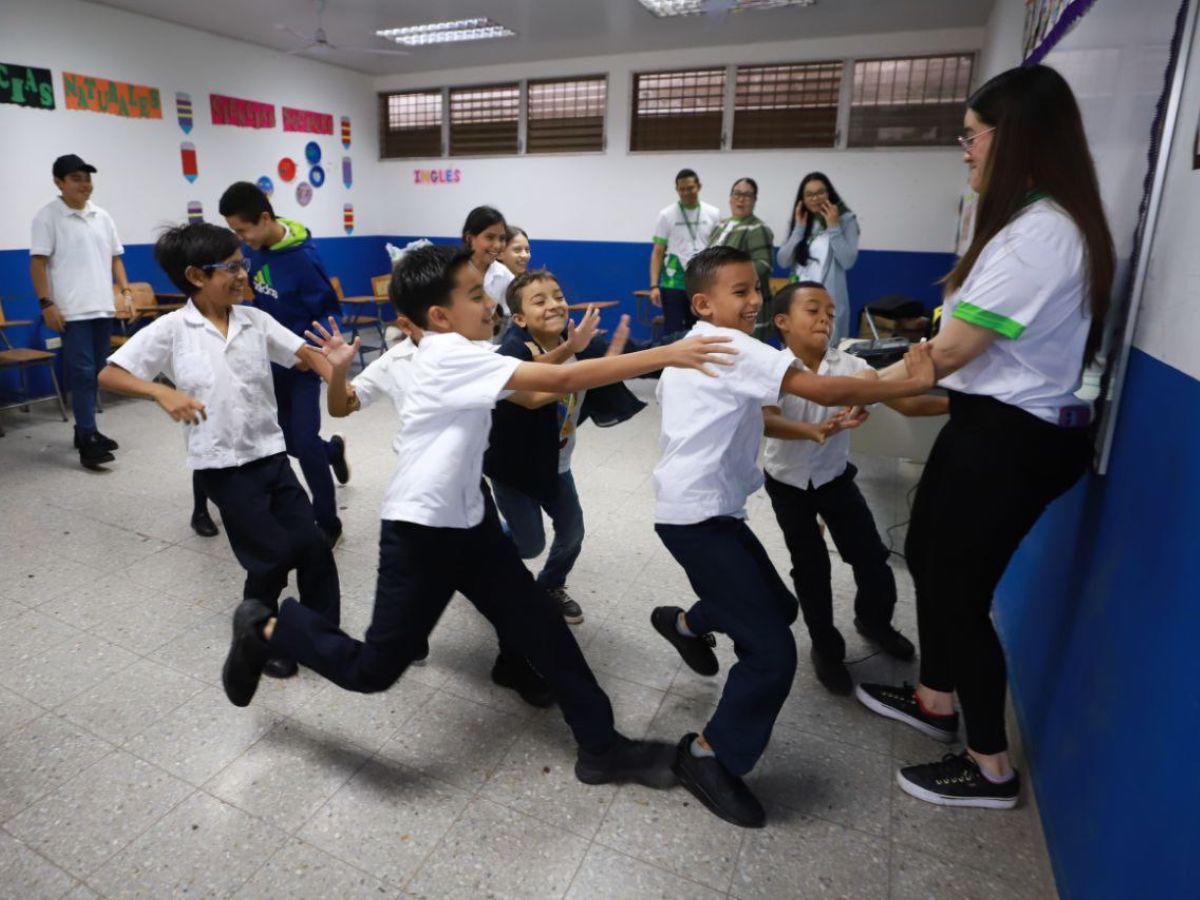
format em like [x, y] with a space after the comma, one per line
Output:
[872, 575]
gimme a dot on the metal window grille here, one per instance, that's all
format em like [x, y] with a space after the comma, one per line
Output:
[484, 120]
[791, 105]
[910, 102]
[566, 115]
[410, 124]
[677, 110]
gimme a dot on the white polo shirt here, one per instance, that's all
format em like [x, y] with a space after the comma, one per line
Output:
[450, 386]
[80, 245]
[230, 375]
[1029, 285]
[711, 431]
[804, 464]
[496, 280]
[684, 233]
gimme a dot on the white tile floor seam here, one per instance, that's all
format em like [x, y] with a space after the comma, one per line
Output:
[396, 793]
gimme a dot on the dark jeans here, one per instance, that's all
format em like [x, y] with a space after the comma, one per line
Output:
[420, 568]
[742, 596]
[841, 504]
[992, 471]
[523, 514]
[85, 353]
[677, 311]
[270, 525]
[298, 395]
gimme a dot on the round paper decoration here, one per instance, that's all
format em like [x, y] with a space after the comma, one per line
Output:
[303, 193]
[347, 172]
[348, 218]
[266, 185]
[317, 176]
[312, 152]
[287, 169]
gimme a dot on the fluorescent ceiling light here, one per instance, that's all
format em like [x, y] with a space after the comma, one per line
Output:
[446, 32]
[667, 8]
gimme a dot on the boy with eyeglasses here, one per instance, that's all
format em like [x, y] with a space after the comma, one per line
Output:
[219, 354]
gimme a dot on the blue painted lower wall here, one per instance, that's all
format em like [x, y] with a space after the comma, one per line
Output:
[1100, 616]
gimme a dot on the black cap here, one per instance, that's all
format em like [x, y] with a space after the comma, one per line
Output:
[65, 165]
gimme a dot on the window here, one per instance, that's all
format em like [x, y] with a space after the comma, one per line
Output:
[786, 105]
[909, 102]
[677, 110]
[484, 120]
[566, 115]
[410, 124]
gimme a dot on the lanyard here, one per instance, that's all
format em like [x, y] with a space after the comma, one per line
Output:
[691, 226]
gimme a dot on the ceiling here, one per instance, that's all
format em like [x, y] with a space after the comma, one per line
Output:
[546, 29]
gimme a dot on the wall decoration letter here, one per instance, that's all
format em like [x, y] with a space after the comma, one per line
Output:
[307, 121]
[241, 113]
[28, 86]
[117, 98]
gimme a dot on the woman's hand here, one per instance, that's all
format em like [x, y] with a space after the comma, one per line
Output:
[699, 352]
[831, 214]
[180, 406]
[801, 213]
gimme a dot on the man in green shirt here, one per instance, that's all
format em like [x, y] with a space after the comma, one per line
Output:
[682, 232]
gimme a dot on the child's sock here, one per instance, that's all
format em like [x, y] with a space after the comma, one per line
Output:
[998, 779]
[681, 626]
[700, 752]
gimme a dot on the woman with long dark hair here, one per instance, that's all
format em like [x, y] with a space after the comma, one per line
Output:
[485, 233]
[822, 245]
[1024, 312]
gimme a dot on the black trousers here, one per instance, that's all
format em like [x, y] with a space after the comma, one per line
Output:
[677, 310]
[420, 568]
[742, 596]
[270, 524]
[992, 471]
[841, 504]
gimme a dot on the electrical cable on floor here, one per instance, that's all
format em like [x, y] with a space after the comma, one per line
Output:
[909, 501]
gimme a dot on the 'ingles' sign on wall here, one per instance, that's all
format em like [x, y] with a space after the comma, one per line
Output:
[26, 86]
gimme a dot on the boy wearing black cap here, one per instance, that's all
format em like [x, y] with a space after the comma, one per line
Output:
[75, 256]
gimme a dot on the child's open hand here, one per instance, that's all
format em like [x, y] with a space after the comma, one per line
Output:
[699, 352]
[579, 336]
[180, 406]
[919, 362]
[332, 344]
[620, 337]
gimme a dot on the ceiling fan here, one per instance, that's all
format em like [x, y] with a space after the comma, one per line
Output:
[317, 43]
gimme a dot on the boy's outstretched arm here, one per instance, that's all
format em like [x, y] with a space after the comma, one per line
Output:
[838, 390]
[582, 337]
[330, 356]
[179, 406]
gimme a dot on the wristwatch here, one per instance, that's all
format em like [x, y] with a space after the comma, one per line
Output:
[44, 302]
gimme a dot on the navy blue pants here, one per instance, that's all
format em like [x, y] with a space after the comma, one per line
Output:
[271, 530]
[298, 396]
[677, 311]
[841, 504]
[523, 514]
[420, 568]
[742, 596]
[85, 353]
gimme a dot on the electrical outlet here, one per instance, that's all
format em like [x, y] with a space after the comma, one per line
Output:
[53, 343]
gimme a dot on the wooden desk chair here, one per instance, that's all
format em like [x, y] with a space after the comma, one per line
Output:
[23, 358]
[145, 305]
[353, 321]
[778, 284]
[646, 315]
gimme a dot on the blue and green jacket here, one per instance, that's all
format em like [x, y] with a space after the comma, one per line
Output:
[290, 282]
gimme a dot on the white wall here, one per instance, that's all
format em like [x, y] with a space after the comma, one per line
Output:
[906, 199]
[139, 179]
[1002, 39]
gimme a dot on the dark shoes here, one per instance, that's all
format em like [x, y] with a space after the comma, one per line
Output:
[570, 609]
[93, 451]
[723, 793]
[203, 524]
[832, 673]
[958, 781]
[697, 652]
[646, 762]
[106, 442]
[281, 667]
[887, 639]
[247, 652]
[339, 464]
[900, 703]
[516, 674]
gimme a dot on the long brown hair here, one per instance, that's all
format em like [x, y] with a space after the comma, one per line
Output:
[1039, 142]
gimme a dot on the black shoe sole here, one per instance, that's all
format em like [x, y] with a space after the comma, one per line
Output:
[98, 462]
[239, 676]
[697, 791]
[658, 777]
[707, 667]
[281, 668]
[205, 527]
[341, 467]
[915, 790]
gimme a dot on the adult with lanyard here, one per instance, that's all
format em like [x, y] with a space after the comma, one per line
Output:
[746, 231]
[822, 245]
[1024, 312]
[681, 232]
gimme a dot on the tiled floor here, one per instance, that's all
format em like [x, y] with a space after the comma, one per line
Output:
[124, 772]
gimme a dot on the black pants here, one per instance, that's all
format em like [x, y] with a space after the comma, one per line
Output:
[841, 504]
[271, 530]
[742, 596]
[420, 568]
[298, 397]
[992, 471]
[677, 311]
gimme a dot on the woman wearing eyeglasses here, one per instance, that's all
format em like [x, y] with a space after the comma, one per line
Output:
[823, 245]
[1024, 312]
[746, 231]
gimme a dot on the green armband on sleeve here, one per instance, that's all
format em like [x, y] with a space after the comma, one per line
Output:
[1002, 325]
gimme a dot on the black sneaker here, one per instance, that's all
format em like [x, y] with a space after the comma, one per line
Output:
[900, 703]
[247, 652]
[92, 454]
[958, 781]
[203, 524]
[832, 673]
[106, 442]
[887, 639]
[723, 793]
[570, 609]
[646, 762]
[515, 673]
[339, 463]
[281, 667]
[697, 652]
[332, 536]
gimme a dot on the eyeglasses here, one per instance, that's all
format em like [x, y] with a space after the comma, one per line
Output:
[813, 195]
[967, 141]
[233, 268]
[742, 195]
